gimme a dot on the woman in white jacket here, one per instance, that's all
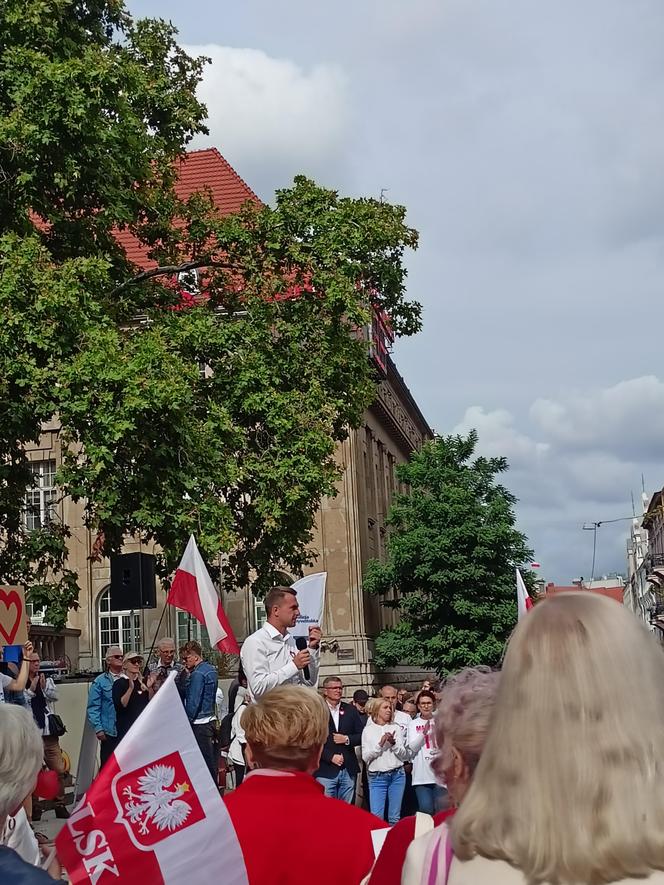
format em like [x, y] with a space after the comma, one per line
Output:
[384, 752]
[238, 739]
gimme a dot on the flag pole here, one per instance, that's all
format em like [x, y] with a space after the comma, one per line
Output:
[156, 633]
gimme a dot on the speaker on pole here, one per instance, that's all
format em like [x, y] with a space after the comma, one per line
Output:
[133, 583]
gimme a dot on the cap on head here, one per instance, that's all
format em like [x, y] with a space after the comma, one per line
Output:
[132, 656]
[113, 650]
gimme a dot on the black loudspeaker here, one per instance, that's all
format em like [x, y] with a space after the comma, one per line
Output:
[132, 582]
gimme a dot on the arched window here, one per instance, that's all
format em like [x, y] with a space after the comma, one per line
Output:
[115, 628]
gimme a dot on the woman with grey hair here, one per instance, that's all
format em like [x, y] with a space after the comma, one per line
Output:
[461, 726]
[21, 756]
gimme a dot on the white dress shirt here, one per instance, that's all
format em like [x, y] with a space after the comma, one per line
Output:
[334, 713]
[267, 660]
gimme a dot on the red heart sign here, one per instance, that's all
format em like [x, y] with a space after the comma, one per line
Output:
[10, 600]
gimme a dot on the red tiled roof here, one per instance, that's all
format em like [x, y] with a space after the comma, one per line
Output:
[198, 171]
[612, 592]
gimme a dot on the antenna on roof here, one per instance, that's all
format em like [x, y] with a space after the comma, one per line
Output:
[633, 507]
[383, 191]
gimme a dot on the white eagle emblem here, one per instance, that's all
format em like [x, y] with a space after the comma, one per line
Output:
[156, 803]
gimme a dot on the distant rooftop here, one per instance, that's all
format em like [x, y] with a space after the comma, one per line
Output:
[613, 590]
[197, 171]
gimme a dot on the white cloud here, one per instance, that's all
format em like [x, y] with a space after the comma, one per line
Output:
[577, 459]
[271, 118]
[498, 436]
[628, 416]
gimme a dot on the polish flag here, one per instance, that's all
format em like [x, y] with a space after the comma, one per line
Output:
[523, 600]
[153, 810]
[192, 591]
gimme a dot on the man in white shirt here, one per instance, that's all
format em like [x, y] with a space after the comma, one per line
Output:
[270, 656]
[403, 720]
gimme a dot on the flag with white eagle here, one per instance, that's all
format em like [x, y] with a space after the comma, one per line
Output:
[152, 809]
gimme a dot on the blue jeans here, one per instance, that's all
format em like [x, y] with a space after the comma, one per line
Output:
[387, 785]
[341, 786]
[430, 797]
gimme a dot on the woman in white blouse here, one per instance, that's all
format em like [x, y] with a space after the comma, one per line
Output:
[384, 752]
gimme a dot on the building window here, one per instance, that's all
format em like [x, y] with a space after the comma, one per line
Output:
[36, 616]
[188, 628]
[260, 615]
[115, 628]
[189, 281]
[40, 497]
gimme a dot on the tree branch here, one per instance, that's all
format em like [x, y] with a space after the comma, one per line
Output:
[170, 270]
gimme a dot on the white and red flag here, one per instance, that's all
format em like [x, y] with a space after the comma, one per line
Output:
[192, 591]
[523, 600]
[153, 815]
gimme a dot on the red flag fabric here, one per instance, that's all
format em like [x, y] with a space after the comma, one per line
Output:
[192, 591]
[153, 811]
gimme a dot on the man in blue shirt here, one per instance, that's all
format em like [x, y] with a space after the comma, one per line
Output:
[199, 702]
[101, 710]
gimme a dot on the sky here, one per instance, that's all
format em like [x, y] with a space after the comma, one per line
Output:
[527, 142]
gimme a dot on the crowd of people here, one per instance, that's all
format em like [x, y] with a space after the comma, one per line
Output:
[549, 770]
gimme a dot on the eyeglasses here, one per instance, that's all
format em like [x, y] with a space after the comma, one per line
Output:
[115, 656]
[135, 661]
[334, 688]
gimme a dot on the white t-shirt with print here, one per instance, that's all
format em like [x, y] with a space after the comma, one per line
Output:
[423, 750]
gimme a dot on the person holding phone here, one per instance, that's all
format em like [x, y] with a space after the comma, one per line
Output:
[41, 693]
[384, 752]
[16, 683]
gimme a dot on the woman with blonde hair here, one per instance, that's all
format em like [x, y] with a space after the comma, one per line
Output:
[570, 786]
[460, 726]
[384, 751]
[288, 829]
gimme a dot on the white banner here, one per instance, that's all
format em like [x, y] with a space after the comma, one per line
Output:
[311, 599]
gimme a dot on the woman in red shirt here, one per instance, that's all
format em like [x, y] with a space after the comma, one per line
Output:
[290, 832]
[461, 722]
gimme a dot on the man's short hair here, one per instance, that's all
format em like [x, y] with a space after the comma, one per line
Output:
[164, 640]
[360, 696]
[381, 693]
[276, 596]
[286, 726]
[332, 680]
[192, 647]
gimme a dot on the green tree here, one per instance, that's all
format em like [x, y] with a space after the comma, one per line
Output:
[452, 553]
[95, 108]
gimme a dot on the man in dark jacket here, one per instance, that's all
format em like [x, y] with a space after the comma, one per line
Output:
[199, 702]
[338, 769]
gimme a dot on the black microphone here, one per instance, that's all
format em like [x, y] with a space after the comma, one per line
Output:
[302, 642]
